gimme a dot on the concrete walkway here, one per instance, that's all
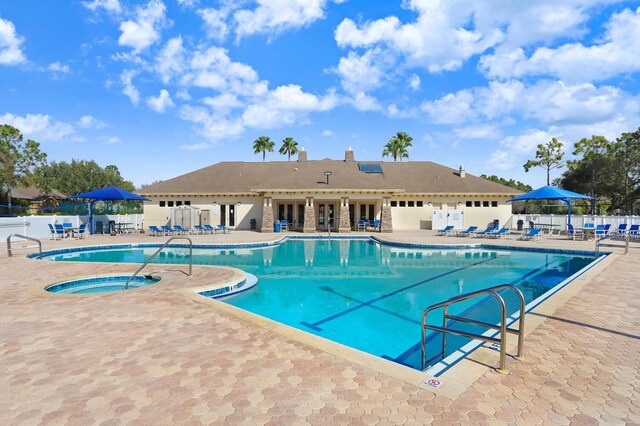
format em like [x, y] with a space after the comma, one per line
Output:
[154, 357]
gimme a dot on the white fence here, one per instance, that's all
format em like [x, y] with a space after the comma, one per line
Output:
[559, 222]
[38, 226]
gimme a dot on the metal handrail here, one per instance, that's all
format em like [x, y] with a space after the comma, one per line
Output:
[24, 237]
[608, 236]
[492, 291]
[126, 285]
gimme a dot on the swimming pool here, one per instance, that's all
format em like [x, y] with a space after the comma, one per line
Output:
[367, 295]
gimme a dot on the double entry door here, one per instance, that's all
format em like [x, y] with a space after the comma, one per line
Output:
[326, 216]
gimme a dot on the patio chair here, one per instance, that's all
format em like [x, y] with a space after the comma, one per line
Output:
[209, 229]
[501, 233]
[362, 225]
[484, 233]
[446, 230]
[622, 229]
[198, 229]
[574, 233]
[466, 232]
[284, 225]
[374, 225]
[60, 232]
[52, 230]
[81, 232]
[155, 231]
[180, 230]
[533, 234]
[634, 231]
[167, 230]
[600, 231]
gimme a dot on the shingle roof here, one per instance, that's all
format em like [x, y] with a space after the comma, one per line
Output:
[248, 177]
[33, 193]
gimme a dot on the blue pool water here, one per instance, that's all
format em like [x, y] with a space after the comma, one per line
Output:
[366, 295]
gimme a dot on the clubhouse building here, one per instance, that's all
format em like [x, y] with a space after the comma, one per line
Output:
[322, 195]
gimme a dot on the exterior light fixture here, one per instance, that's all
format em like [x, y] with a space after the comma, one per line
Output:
[327, 174]
[215, 204]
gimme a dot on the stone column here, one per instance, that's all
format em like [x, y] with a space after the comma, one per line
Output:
[385, 218]
[267, 215]
[309, 216]
[344, 224]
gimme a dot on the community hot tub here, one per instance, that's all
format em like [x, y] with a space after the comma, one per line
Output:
[104, 284]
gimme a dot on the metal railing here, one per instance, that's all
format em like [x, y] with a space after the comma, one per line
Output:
[626, 236]
[126, 285]
[9, 249]
[502, 327]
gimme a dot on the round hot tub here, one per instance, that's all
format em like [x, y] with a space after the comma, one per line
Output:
[102, 284]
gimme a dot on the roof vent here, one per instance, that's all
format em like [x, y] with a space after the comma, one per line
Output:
[348, 155]
[302, 154]
[461, 172]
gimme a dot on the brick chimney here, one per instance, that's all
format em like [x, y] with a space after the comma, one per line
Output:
[348, 155]
[302, 154]
[461, 172]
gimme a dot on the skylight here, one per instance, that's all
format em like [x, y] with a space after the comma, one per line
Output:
[369, 168]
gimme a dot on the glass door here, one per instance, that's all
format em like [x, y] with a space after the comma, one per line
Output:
[326, 216]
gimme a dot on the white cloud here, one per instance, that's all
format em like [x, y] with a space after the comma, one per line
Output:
[327, 133]
[618, 52]
[10, 44]
[110, 140]
[183, 95]
[40, 127]
[89, 122]
[187, 3]
[57, 67]
[160, 103]
[414, 82]
[363, 102]
[129, 89]
[275, 16]
[451, 108]
[285, 105]
[445, 34]
[143, 32]
[108, 5]
[196, 146]
[212, 68]
[212, 126]
[440, 39]
[550, 102]
[358, 72]
[223, 103]
[216, 20]
[480, 131]
[170, 61]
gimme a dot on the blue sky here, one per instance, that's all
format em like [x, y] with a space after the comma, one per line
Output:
[163, 87]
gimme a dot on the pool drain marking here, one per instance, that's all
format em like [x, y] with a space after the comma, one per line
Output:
[434, 383]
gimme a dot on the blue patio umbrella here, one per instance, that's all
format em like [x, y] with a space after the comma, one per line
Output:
[552, 193]
[109, 193]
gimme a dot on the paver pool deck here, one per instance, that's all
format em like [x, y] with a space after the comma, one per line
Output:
[152, 356]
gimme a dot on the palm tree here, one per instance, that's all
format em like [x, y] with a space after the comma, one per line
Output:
[289, 147]
[263, 144]
[397, 146]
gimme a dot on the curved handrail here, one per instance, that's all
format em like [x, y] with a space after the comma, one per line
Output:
[24, 237]
[162, 247]
[492, 291]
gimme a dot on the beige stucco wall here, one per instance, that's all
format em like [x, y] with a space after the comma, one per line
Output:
[407, 218]
[404, 218]
[249, 208]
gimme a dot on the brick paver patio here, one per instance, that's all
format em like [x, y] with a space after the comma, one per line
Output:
[154, 357]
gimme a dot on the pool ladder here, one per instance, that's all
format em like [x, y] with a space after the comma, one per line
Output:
[9, 249]
[502, 327]
[126, 285]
